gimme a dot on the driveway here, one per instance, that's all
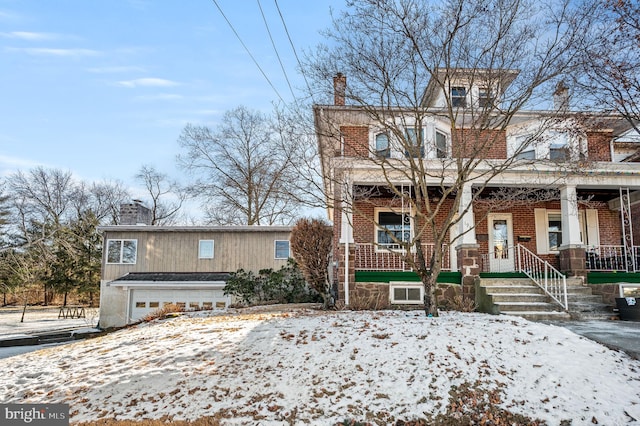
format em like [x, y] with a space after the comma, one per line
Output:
[620, 335]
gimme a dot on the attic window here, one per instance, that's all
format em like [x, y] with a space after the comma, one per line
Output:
[382, 145]
[458, 97]
[484, 97]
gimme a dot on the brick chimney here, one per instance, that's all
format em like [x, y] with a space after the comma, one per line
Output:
[135, 214]
[339, 88]
[561, 97]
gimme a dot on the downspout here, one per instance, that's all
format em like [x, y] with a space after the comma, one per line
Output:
[346, 272]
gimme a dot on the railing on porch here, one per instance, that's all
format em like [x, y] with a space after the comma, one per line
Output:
[612, 258]
[520, 259]
[370, 257]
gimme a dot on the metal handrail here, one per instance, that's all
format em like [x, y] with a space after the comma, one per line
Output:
[548, 278]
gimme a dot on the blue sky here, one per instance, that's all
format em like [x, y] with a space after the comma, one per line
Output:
[102, 87]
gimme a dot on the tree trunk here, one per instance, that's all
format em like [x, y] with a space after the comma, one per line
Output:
[429, 277]
[64, 303]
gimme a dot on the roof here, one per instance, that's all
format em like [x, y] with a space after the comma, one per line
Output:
[173, 277]
[149, 228]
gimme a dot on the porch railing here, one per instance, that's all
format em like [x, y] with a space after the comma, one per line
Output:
[370, 257]
[519, 258]
[612, 258]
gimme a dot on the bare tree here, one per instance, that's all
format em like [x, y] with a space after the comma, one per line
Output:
[403, 59]
[106, 198]
[609, 77]
[311, 247]
[166, 195]
[243, 174]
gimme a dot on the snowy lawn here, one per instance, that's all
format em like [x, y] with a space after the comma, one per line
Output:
[310, 367]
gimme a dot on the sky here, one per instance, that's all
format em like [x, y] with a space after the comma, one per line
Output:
[100, 88]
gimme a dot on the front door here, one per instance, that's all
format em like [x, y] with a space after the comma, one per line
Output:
[501, 250]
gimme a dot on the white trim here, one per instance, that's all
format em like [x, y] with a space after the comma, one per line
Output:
[177, 285]
[407, 285]
[275, 251]
[122, 240]
[213, 249]
[622, 285]
[377, 226]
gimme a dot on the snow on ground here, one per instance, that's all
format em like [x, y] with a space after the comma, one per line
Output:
[38, 319]
[322, 367]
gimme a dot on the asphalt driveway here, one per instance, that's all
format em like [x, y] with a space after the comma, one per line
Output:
[620, 335]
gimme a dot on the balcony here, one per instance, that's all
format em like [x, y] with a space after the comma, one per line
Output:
[370, 257]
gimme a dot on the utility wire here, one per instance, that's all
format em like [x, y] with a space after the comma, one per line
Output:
[286, 30]
[276, 50]
[248, 51]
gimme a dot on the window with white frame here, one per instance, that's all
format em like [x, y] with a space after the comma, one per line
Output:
[524, 148]
[205, 249]
[558, 152]
[393, 228]
[554, 230]
[382, 145]
[442, 145]
[281, 248]
[406, 293]
[122, 251]
[458, 97]
[415, 142]
[629, 290]
[484, 97]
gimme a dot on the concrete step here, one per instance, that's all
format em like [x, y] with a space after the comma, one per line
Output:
[541, 316]
[507, 307]
[584, 298]
[519, 289]
[488, 282]
[499, 298]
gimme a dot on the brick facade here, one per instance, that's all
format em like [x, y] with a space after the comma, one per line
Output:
[489, 144]
[356, 141]
[599, 145]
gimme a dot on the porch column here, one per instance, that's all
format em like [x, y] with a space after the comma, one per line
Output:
[346, 236]
[468, 257]
[572, 251]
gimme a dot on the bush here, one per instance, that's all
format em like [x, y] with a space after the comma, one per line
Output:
[167, 309]
[285, 285]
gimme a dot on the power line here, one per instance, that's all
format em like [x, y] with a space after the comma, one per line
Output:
[248, 51]
[276, 50]
[286, 30]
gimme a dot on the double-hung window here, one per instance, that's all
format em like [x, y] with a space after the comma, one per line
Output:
[554, 230]
[558, 152]
[382, 145]
[393, 229]
[484, 97]
[122, 251]
[415, 142]
[458, 97]
[442, 147]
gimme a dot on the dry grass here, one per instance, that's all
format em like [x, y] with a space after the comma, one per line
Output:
[167, 309]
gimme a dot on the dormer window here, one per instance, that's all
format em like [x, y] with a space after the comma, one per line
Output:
[415, 142]
[442, 147]
[458, 97]
[484, 97]
[382, 145]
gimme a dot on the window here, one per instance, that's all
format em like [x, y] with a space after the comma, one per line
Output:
[630, 290]
[382, 145]
[122, 251]
[484, 97]
[558, 152]
[442, 150]
[205, 249]
[555, 231]
[392, 225]
[406, 294]
[458, 97]
[141, 305]
[154, 304]
[526, 155]
[282, 249]
[415, 142]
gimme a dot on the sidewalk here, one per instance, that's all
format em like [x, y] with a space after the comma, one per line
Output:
[620, 335]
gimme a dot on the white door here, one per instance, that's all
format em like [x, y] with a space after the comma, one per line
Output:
[145, 301]
[501, 250]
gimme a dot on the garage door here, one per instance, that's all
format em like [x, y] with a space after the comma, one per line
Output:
[145, 301]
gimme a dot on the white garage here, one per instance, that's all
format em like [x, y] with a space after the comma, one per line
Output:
[148, 292]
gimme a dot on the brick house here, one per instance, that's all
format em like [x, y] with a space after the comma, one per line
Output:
[586, 160]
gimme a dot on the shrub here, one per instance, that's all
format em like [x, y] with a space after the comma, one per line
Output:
[162, 312]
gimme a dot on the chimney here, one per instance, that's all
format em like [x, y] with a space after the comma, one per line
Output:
[135, 214]
[561, 97]
[339, 88]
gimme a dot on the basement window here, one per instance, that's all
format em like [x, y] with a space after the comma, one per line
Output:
[406, 294]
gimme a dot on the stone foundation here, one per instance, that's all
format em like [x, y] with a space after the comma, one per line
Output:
[469, 266]
[609, 292]
[572, 261]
